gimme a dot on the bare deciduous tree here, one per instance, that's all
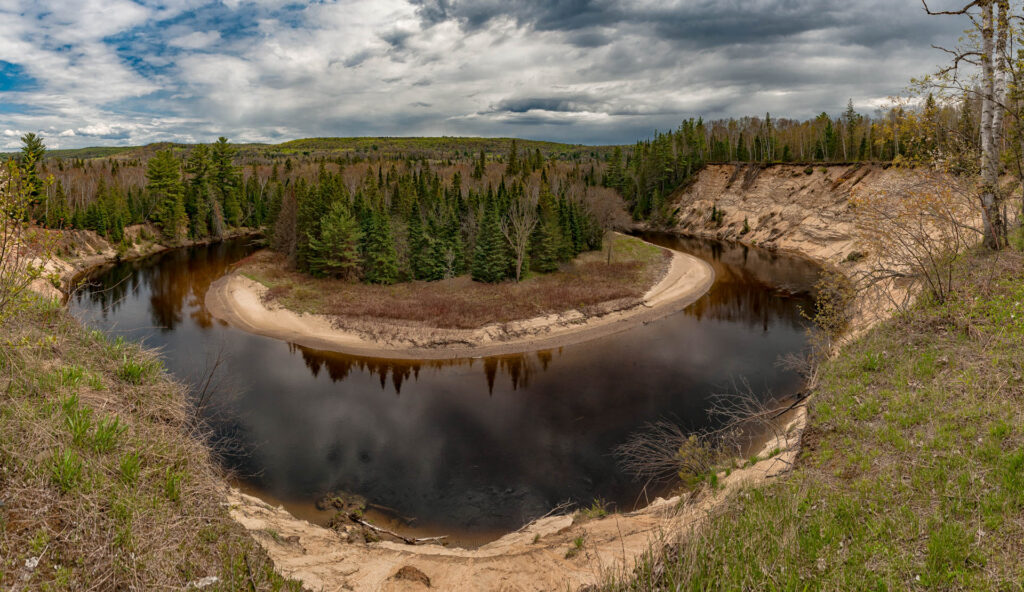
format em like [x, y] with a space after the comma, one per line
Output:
[914, 231]
[519, 223]
[607, 208]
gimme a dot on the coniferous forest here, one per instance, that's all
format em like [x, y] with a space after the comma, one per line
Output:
[388, 210]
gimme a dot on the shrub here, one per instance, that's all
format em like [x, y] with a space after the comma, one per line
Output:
[136, 372]
[129, 468]
[172, 484]
[66, 469]
[107, 432]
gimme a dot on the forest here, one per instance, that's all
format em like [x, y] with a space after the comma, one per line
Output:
[385, 210]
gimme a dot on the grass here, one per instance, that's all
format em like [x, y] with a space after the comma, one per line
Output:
[576, 548]
[103, 484]
[911, 475]
[461, 303]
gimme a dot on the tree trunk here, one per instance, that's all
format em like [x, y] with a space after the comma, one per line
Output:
[989, 146]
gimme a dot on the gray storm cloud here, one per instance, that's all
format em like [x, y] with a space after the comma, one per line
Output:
[579, 70]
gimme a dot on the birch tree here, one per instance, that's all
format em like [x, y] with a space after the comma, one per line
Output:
[991, 22]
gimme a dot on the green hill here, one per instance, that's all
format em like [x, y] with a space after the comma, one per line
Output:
[382, 146]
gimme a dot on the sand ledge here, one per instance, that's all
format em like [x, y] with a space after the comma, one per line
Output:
[238, 301]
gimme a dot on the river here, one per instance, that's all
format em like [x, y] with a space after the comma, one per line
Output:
[467, 448]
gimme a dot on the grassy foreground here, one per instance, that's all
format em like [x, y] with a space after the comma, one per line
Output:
[104, 483]
[461, 303]
[911, 475]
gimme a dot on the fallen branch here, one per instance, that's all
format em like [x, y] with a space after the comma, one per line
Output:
[407, 540]
[556, 510]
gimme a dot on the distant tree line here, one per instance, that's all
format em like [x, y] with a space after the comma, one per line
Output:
[441, 210]
[649, 173]
[494, 216]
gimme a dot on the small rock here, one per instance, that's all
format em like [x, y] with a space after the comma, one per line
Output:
[31, 563]
[411, 574]
[203, 583]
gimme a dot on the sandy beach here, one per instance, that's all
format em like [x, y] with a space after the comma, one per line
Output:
[239, 301]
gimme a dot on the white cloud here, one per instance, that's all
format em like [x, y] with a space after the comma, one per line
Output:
[196, 40]
[257, 70]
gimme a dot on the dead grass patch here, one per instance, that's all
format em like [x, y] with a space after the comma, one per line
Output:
[460, 303]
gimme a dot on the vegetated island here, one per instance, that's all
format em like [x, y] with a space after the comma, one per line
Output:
[587, 298]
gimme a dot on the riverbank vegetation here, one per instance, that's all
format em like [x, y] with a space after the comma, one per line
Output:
[106, 482]
[589, 280]
[105, 478]
[911, 473]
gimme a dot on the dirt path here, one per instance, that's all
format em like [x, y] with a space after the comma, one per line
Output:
[239, 301]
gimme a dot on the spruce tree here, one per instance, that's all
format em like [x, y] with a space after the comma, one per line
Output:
[336, 252]
[198, 194]
[163, 174]
[226, 180]
[32, 152]
[380, 261]
[58, 214]
[513, 160]
[490, 258]
[546, 253]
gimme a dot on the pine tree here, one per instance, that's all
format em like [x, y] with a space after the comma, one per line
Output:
[513, 160]
[163, 174]
[380, 261]
[198, 194]
[490, 258]
[226, 180]
[547, 250]
[58, 214]
[336, 252]
[32, 152]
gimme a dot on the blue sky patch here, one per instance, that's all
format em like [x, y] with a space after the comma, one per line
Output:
[13, 78]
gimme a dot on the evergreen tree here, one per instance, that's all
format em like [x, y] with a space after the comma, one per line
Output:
[513, 160]
[226, 180]
[58, 214]
[380, 261]
[164, 186]
[198, 194]
[336, 252]
[32, 152]
[547, 251]
[490, 258]
[420, 248]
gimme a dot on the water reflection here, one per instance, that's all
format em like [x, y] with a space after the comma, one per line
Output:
[464, 447]
[517, 367]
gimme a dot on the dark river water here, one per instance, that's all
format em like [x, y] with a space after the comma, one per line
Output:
[469, 448]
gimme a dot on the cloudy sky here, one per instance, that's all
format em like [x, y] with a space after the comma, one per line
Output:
[117, 72]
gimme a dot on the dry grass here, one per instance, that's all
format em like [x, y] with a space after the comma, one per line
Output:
[105, 483]
[911, 475]
[461, 303]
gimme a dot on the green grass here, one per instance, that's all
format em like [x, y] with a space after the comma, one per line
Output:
[911, 475]
[102, 484]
